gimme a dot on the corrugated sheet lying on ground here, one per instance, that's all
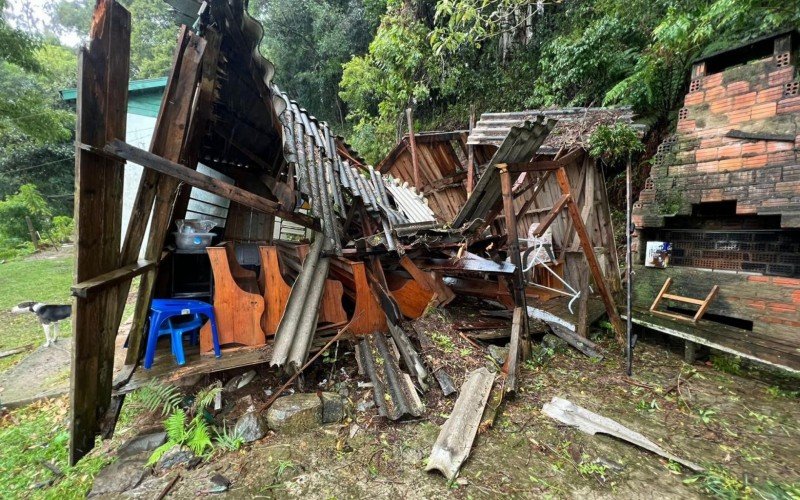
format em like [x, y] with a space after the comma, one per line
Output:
[574, 127]
[518, 146]
[393, 390]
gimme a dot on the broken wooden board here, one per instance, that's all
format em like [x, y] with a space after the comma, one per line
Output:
[589, 422]
[583, 345]
[455, 439]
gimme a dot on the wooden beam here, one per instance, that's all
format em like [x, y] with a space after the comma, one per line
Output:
[86, 288]
[206, 183]
[414, 160]
[515, 255]
[102, 103]
[547, 165]
[551, 216]
[591, 258]
[471, 154]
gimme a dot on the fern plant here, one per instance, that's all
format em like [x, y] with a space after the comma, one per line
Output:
[155, 396]
[189, 429]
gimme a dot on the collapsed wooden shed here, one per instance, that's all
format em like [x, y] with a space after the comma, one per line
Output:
[230, 147]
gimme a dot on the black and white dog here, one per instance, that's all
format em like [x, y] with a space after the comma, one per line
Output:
[48, 314]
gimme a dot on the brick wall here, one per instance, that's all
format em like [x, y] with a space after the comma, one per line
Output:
[703, 163]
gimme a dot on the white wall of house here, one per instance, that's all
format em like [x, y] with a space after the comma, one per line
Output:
[201, 204]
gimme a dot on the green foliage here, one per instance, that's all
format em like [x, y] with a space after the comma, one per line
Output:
[310, 40]
[540, 357]
[443, 342]
[155, 397]
[36, 434]
[615, 143]
[48, 166]
[727, 364]
[28, 202]
[228, 440]
[205, 397]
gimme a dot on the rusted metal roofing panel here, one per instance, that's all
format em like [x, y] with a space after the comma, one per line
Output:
[519, 145]
[574, 127]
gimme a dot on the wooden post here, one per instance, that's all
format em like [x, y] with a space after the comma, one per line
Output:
[514, 254]
[413, 142]
[471, 154]
[157, 192]
[32, 231]
[101, 116]
[591, 258]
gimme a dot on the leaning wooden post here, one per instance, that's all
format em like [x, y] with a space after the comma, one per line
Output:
[514, 253]
[102, 105]
[471, 154]
[591, 258]
[414, 160]
[32, 231]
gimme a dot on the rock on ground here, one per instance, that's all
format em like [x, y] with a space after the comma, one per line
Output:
[141, 444]
[333, 407]
[120, 476]
[295, 413]
[176, 455]
[251, 427]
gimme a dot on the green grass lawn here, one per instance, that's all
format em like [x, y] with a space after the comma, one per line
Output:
[33, 436]
[33, 279]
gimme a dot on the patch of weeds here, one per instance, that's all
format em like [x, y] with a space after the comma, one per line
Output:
[727, 364]
[589, 469]
[644, 405]
[38, 434]
[443, 342]
[777, 392]
[465, 352]
[674, 467]
[721, 483]
[706, 415]
[540, 356]
[228, 439]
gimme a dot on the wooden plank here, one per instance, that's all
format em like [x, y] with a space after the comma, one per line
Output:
[206, 183]
[688, 300]
[547, 165]
[101, 115]
[413, 143]
[512, 244]
[706, 303]
[104, 281]
[551, 216]
[511, 367]
[660, 295]
[591, 259]
[156, 194]
[455, 439]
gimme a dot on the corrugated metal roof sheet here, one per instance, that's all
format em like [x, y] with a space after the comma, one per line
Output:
[574, 126]
[519, 145]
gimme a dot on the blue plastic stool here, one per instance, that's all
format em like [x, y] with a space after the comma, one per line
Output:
[162, 310]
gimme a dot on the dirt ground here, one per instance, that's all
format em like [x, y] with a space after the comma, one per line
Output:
[746, 428]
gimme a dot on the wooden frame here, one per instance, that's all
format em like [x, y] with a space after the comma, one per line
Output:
[703, 303]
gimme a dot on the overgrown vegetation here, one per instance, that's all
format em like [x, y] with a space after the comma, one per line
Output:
[187, 423]
[35, 442]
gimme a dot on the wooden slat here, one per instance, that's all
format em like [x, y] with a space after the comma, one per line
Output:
[660, 295]
[102, 282]
[206, 183]
[688, 300]
[551, 217]
[547, 165]
[704, 307]
[101, 109]
[157, 193]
